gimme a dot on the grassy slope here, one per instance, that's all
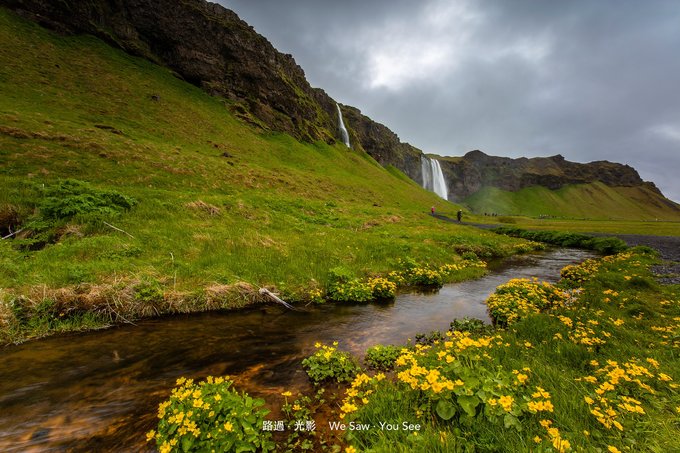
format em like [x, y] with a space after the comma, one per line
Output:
[288, 211]
[583, 201]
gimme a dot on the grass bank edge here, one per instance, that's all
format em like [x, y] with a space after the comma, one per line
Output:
[559, 390]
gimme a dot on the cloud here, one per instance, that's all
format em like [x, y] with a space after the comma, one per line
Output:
[589, 80]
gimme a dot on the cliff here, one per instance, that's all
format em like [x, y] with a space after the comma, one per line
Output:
[475, 170]
[211, 47]
[206, 45]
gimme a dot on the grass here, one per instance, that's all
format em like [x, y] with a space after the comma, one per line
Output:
[594, 201]
[605, 245]
[218, 203]
[598, 373]
[660, 228]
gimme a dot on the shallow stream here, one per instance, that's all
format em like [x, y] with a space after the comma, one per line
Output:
[99, 390]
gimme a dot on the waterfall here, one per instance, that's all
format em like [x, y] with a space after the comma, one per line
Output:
[433, 178]
[341, 127]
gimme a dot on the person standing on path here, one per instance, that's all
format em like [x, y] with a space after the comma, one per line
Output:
[459, 215]
[432, 210]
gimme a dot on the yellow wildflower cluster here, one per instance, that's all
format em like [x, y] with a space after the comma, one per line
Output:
[520, 297]
[382, 288]
[418, 275]
[558, 442]
[315, 295]
[206, 413]
[610, 402]
[541, 401]
[582, 333]
[362, 387]
[580, 273]
[449, 269]
[419, 377]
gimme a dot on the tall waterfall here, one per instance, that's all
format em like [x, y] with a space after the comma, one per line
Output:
[433, 178]
[342, 128]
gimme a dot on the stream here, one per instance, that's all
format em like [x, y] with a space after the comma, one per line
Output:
[99, 390]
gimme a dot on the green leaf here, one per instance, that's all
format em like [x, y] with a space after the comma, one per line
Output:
[468, 403]
[510, 420]
[445, 409]
[187, 443]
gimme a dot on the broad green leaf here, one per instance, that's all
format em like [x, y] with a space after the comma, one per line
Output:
[468, 403]
[445, 409]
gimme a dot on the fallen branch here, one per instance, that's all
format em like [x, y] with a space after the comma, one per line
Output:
[275, 298]
[12, 234]
[118, 229]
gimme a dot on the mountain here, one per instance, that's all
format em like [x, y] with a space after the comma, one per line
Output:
[553, 186]
[208, 46]
[202, 197]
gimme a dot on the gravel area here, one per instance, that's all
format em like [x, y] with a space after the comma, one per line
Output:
[669, 249]
[667, 246]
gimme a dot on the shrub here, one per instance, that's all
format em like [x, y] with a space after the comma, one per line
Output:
[210, 415]
[381, 357]
[472, 325]
[148, 291]
[520, 297]
[382, 288]
[425, 277]
[352, 291]
[70, 198]
[328, 363]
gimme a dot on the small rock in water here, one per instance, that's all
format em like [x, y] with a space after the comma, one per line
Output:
[40, 433]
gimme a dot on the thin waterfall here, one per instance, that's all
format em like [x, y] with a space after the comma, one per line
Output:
[433, 178]
[342, 129]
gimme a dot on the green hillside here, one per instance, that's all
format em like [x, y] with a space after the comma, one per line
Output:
[216, 202]
[583, 201]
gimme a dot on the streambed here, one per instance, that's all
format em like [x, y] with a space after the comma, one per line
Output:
[100, 390]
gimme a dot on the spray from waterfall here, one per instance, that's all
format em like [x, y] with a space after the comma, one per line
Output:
[433, 178]
[342, 129]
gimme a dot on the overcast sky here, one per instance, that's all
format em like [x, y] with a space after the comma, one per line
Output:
[591, 80]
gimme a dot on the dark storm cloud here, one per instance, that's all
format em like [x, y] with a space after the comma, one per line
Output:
[589, 80]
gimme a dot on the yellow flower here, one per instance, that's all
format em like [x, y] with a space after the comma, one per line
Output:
[506, 402]
[286, 394]
[350, 449]
[537, 440]
[150, 435]
[613, 449]
[228, 427]
[296, 407]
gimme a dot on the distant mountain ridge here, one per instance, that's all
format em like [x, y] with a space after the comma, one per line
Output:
[211, 47]
[469, 173]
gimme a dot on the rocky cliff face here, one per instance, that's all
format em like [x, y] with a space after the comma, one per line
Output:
[209, 46]
[205, 44]
[383, 144]
[466, 175]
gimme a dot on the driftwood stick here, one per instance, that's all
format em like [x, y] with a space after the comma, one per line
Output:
[275, 298]
[118, 229]
[12, 234]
